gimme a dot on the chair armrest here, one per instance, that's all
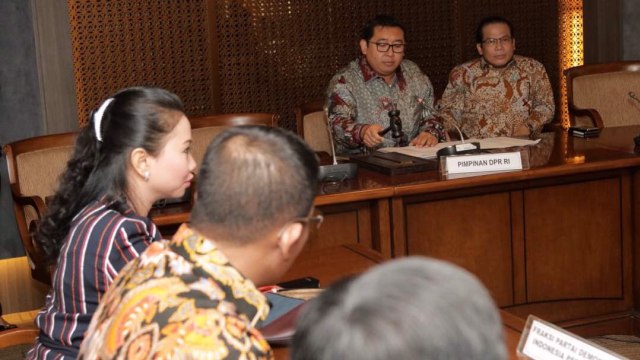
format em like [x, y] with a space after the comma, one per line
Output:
[34, 201]
[18, 336]
[593, 114]
[41, 269]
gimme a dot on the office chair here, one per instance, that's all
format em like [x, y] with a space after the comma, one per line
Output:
[34, 166]
[311, 122]
[604, 95]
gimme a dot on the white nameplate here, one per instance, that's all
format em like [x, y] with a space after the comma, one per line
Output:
[544, 341]
[483, 163]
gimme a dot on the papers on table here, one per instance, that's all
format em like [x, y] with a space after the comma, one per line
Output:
[485, 144]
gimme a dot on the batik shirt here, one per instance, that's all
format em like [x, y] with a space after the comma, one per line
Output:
[181, 299]
[485, 101]
[100, 242]
[357, 97]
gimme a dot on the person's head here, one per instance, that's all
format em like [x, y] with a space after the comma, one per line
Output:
[254, 198]
[382, 43]
[495, 40]
[411, 308]
[135, 150]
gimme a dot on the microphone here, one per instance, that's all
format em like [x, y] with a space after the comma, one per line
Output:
[335, 171]
[459, 149]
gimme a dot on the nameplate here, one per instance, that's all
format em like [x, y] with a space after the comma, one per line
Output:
[483, 163]
[544, 341]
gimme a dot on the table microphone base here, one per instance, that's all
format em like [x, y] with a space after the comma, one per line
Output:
[460, 149]
[337, 172]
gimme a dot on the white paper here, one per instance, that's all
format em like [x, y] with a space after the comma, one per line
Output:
[485, 144]
[545, 341]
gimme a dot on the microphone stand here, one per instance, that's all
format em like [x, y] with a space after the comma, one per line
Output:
[335, 171]
[459, 149]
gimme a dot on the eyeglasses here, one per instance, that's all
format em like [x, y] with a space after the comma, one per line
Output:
[494, 42]
[384, 47]
[313, 219]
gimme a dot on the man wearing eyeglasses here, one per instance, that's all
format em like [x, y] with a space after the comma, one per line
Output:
[498, 94]
[196, 296]
[360, 96]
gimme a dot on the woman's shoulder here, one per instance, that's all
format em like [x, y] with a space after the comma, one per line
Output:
[106, 215]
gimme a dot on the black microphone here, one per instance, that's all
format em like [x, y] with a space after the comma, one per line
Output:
[459, 149]
[335, 171]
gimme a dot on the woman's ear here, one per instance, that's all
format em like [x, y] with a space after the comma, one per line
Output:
[139, 161]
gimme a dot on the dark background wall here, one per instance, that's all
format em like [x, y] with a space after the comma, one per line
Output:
[20, 103]
[631, 30]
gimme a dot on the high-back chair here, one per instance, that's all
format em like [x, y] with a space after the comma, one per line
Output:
[311, 121]
[604, 95]
[34, 165]
[205, 128]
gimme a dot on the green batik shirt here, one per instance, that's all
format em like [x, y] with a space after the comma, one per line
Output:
[358, 97]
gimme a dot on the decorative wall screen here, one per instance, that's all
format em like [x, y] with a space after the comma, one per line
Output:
[571, 48]
[118, 44]
[270, 55]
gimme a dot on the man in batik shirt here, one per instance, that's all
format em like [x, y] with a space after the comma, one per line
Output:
[498, 94]
[195, 297]
[360, 96]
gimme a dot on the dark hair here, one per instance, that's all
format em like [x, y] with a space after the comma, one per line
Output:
[253, 178]
[366, 33]
[136, 117]
[409, 308]
[491, 20]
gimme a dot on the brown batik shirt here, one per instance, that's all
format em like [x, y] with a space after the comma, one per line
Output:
[485, 101]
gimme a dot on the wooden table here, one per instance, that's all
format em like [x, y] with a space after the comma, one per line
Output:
[557, 240]
[334, 263]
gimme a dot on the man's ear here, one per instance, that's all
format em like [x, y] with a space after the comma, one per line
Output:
[363, 46]
[479, 47]
[290, 239]
[139, 159]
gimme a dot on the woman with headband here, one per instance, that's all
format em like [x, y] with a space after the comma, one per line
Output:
[135, 151]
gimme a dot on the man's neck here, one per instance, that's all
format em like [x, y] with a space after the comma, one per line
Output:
[388, 78]
[246, 258]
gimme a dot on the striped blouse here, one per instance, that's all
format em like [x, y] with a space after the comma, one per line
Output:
[100, 242]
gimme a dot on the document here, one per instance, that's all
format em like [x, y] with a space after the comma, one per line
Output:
[279, 327]
[485, 144]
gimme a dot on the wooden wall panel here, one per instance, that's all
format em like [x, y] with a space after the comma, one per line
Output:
[337, 229]
[471, 232]
[119, 44]
[574, 242]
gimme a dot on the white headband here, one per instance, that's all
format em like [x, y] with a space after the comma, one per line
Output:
[97, 118]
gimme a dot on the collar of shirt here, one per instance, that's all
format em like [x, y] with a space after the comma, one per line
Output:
[368, 73]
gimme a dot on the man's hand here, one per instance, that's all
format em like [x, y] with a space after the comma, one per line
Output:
[371, 137]
[521, 130]
[424, 139]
